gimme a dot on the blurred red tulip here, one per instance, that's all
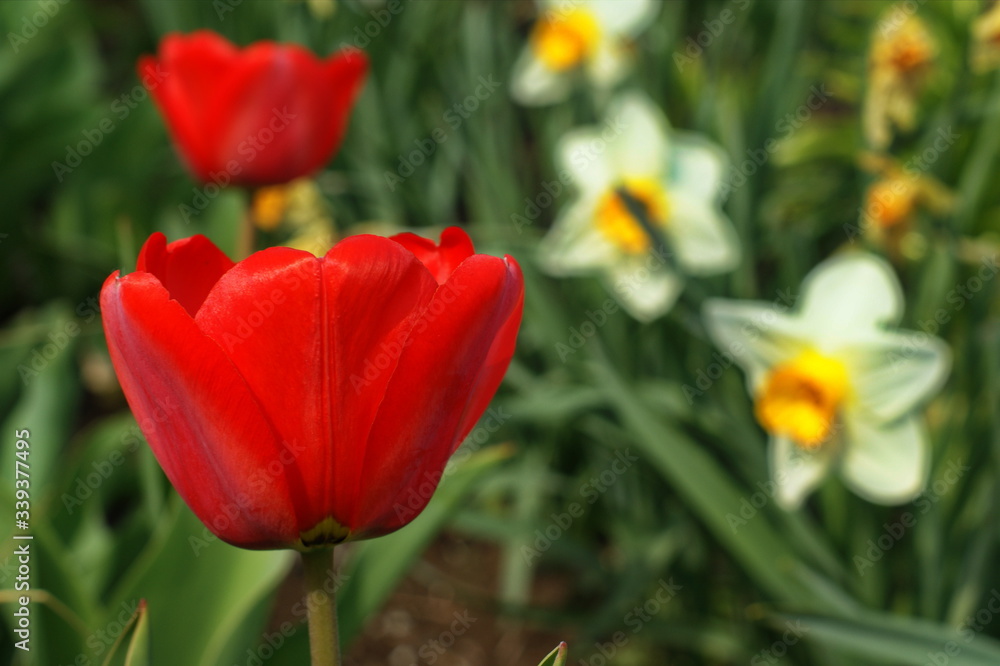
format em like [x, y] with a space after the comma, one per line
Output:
[316, 399]
[263, 115]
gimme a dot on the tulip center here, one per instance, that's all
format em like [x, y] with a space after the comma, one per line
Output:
[327, 532]
[562, 41]
[800, 398]
[624, 222]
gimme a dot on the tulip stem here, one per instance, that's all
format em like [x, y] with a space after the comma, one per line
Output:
[248, 230]
[321, 603]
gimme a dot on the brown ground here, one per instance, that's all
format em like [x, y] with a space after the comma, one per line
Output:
[444, 613]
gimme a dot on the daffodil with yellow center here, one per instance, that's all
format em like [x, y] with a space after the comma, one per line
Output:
[562, 42]
[587, 37]
[834, 384]
[800, 398]
[618, 221]
[646, 212]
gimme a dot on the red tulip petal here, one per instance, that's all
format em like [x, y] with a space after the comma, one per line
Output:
[441, 260]
[204, 425]
[497, 360]
[183, 81]
[320, 337]
[188, 268]
[262, 117]
[427, 403]
[343, 77]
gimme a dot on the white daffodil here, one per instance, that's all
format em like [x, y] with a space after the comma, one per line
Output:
[591, 36]
[834, 384]
[647, 210]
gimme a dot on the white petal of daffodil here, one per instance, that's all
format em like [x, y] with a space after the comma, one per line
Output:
[850, 298]
[631, 217]
[646, 289]
[586, 36]
[797, 471]
[886, 463]
[697, 167]
[641, 150]
[625, 18]
[582, 153]
[532, 82]
[831, 381]
[608, 65]
[896, 371]
[702, 237]
[759, 335]
[575, 246]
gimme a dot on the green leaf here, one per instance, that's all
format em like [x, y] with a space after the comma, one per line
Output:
[762, 550]
[137, 633]
[882, 639]
[139, 648]
[555, 658]
[201, 592]
[47, 403]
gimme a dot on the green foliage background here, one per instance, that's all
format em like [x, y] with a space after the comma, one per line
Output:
[702, 461]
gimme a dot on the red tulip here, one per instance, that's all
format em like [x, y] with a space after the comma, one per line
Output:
[313, 397]
[263, 115]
